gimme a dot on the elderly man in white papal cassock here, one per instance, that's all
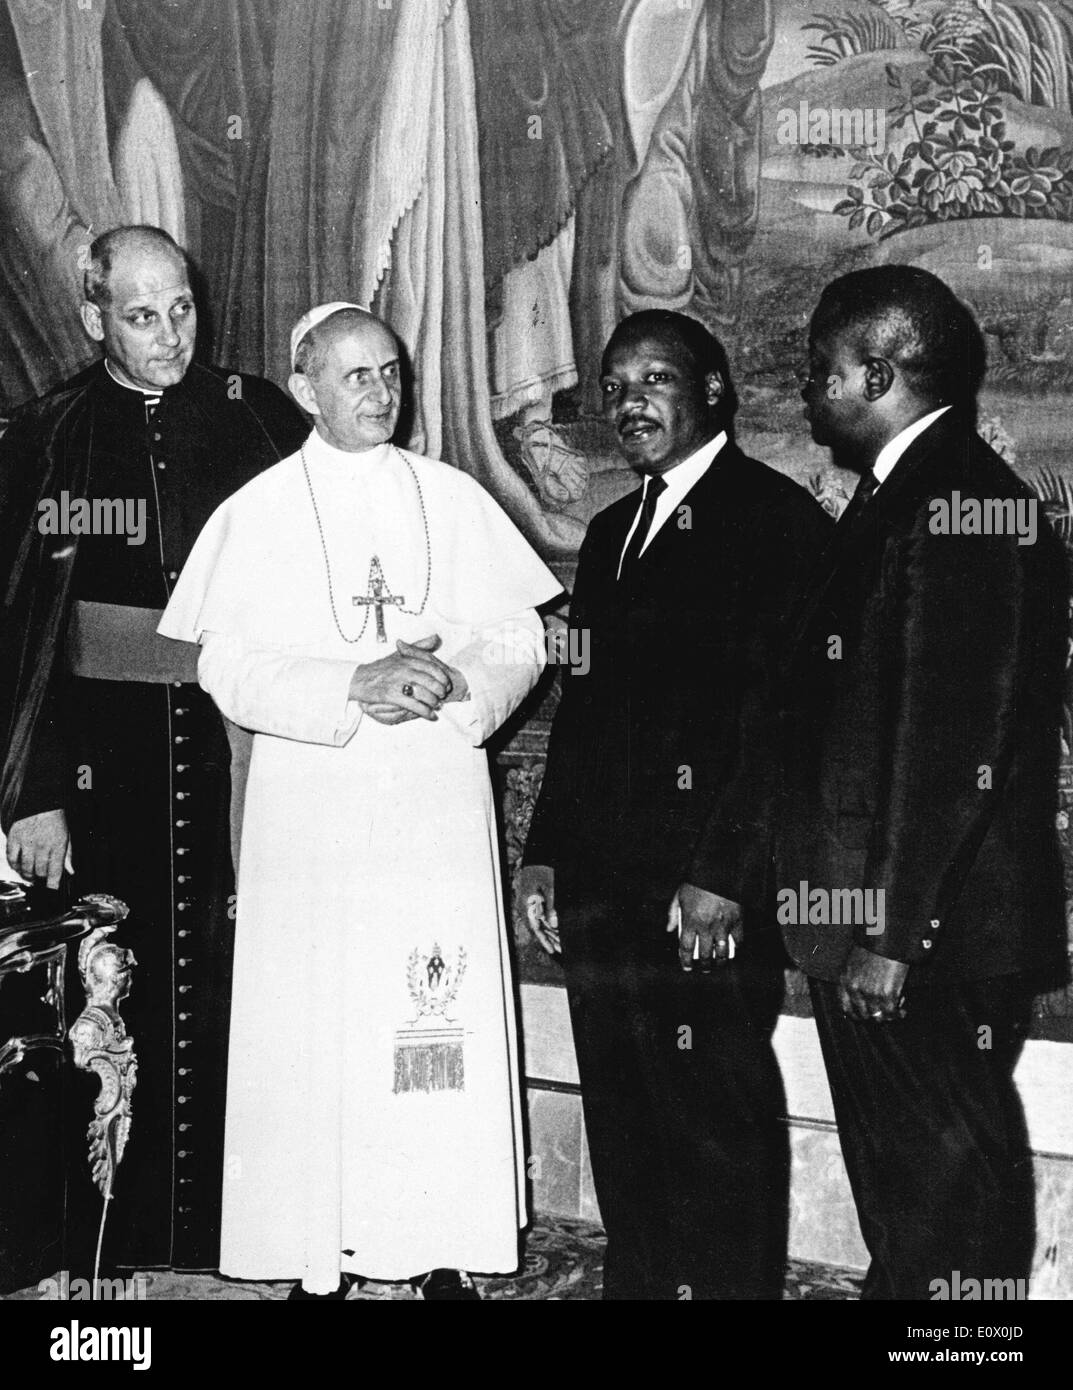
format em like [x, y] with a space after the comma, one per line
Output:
[369, 614]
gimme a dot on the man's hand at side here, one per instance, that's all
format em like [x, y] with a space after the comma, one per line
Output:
[535, 894]
[37, 847]
[705, 918]
[870, 988]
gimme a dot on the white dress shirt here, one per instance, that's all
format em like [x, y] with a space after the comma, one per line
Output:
[679, 479]
[894, 448]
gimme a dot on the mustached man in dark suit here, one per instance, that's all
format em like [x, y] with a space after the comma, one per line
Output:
[926, 673]
[682, 588]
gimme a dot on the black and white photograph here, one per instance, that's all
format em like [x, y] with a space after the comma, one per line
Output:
[670, 401]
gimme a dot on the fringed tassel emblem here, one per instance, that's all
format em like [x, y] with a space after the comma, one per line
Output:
[427, 1061]
[428, 1049]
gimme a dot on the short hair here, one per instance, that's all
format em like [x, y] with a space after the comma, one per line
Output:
[310, 353]
[706, 353]
[104, 251]
[916, 322]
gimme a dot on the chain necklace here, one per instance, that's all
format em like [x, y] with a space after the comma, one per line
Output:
[377, 597]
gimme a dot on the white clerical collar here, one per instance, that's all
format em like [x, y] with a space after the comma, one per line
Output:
[327, 457]
[152, 391]
[892, 451]
[679, 480]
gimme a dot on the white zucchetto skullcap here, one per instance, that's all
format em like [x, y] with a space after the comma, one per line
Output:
[315, 316]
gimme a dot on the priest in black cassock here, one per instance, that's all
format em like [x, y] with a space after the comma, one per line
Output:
[116, 767]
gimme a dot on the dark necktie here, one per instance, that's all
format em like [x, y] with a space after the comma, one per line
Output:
[865, 489]
[654, 485]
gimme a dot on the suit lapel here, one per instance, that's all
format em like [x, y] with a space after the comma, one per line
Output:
[912, 480]
[907, 485]
[702, 498]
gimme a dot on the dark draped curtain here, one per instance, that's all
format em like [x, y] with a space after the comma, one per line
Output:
[307, 180]
[212, 63]
[56, 186]
[543, 122]
[552, 140]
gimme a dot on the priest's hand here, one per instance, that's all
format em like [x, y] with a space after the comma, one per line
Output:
[386, 714]
[37, 847]
[708, 926]
[459, 685]
[380, 683]
[535, 894]
[870, 988]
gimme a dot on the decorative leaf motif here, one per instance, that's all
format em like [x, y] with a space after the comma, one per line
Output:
[1056, 495]
[959, 163]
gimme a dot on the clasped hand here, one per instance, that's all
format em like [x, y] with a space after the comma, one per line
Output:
[378, 685]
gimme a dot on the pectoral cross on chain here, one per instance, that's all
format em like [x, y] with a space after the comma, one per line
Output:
[378, 596]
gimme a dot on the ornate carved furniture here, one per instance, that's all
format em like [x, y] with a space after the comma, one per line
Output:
[34, 1040]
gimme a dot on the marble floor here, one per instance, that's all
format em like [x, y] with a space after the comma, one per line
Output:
[563, 1261]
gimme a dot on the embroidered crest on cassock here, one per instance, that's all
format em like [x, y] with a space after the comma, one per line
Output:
[428, 1048]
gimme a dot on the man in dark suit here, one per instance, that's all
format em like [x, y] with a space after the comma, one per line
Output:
[925, 671]
[682, 590]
